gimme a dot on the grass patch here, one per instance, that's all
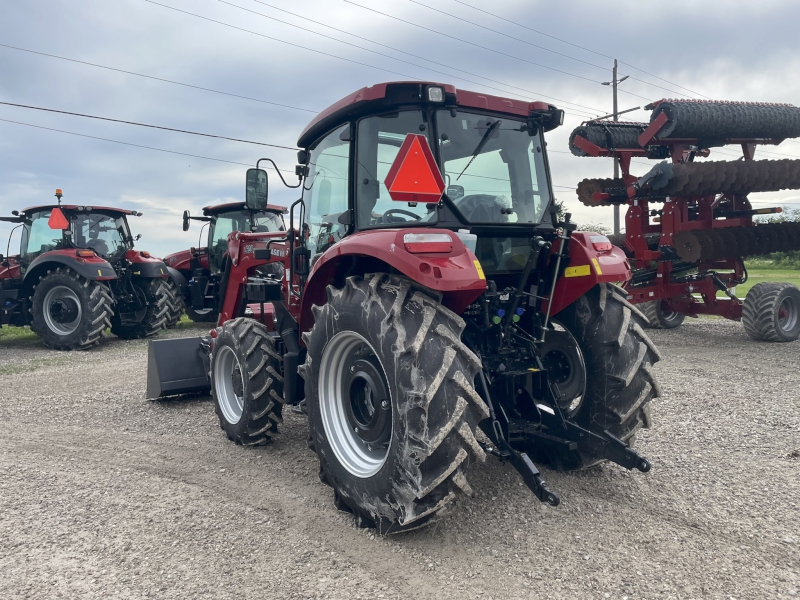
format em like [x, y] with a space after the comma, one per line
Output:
[14, 335]
[758, 273]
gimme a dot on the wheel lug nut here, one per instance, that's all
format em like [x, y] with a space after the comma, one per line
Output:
[384, 404]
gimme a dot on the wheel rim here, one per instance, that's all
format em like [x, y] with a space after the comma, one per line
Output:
[203, 311]
[563, 360]
[788, 314]
[668, 316]
[62, 310]
[229, 384]
[355, 404]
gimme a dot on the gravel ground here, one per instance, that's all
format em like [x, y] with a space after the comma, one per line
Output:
[104, 494]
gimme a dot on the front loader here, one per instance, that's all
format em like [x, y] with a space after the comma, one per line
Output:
[432, 310]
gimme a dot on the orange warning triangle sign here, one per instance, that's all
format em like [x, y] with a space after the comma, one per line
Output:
[57, 220]
[414, 175]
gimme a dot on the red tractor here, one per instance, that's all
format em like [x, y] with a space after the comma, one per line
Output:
[77, 274]
[428, 292]
[201, 268]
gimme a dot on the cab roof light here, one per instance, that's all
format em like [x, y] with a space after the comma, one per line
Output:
[435, 94]
[422, 243]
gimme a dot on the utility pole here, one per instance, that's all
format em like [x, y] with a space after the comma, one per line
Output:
[613, 83]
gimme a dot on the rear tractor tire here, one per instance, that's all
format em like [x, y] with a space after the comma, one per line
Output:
[658, 317]
[391, 405]
[620, 381]
[246, 382]
[159, 298]
[771, 312]
[69, 311]
[175, 304]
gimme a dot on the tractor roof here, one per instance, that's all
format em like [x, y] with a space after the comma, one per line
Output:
[230, 206]
[385, 96]
[120, 211]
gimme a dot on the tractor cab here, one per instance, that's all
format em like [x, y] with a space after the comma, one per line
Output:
[488, 153]
[227, 218]
[103, 230]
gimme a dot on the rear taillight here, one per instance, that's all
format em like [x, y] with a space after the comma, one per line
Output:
[601, 243]
[422, 243]
[85, 253]
[145, 253]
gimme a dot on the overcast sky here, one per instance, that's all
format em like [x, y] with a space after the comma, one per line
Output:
[739, 50]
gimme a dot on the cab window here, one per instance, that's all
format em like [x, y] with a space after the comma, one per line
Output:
[37, 237]
[325, 192]
[379, 141]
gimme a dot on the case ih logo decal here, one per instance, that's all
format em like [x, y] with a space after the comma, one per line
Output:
[414, 175]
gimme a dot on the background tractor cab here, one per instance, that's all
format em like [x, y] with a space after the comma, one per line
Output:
[202, 267]
[428, 290]
[77, 272]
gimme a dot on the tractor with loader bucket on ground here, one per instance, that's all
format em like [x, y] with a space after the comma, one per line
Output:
[428, 293]
[77, 274]
[689, 223]
[202, 267]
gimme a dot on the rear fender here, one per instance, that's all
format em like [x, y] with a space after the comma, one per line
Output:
[455, 274]
[586, 268]
[179, 279]
[145, 266]
[94, 267]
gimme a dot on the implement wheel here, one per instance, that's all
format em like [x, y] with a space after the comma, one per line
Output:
[391, 404]
[246, 383]
[660, 318]
[157, 294]
[205, 315]
[771, 312]
[619, 377]
[69, 311]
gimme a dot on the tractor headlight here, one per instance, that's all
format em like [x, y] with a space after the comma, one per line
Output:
[435, 94]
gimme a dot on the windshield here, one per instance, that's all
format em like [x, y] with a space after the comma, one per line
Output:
[237, 220]
[106, 235]
[493, 167]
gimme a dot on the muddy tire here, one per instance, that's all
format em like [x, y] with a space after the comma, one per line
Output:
[771, 312]
[620, 381]
[70, 312]
[246, 382]
[207, 315]
[658, 318]
[175, 305]
[391, 404]
[158, 296]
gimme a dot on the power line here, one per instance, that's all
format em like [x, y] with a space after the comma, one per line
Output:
[74, 114]
[196, 87]
[581, 47]
[125, 143]
[282, 10]
[536, 45]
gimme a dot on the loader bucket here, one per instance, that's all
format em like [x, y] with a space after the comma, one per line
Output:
[177, 366]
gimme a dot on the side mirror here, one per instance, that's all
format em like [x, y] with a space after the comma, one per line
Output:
[186, 220]
[256, 189]
[138, 237]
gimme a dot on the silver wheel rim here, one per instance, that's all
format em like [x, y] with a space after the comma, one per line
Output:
[787, 314]
[225, 366]
[54, 301]
[353, 453]
[203, 311]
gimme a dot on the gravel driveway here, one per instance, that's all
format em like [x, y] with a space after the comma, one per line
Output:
[104, 495]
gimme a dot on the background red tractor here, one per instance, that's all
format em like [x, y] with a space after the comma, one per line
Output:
[202, 267]
[77, 273]
[428, 292]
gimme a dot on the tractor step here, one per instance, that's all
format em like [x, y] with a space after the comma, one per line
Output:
[177, 366]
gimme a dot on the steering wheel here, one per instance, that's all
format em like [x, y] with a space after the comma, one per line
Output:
[399, 211]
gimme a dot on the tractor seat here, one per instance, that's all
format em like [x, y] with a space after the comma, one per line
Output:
[98, 246]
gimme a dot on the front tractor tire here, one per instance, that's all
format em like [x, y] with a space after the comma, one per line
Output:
[771, 312]
[158, 298]
[246, 383]
[70, 312]
[660, 318]
[391, 404]
[619, 358]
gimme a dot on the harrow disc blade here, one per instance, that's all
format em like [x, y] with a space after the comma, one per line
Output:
[607, 135]
[616, 187]
[717, 120]
[721, 177]
[737, 242]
